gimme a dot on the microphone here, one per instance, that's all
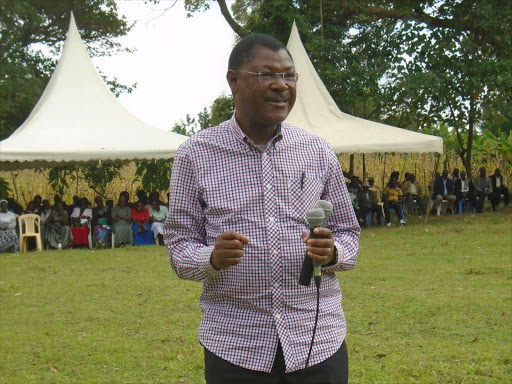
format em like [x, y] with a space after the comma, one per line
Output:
[315, 218]
[327, 207]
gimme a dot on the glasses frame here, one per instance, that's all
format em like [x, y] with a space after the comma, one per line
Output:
[275, 73]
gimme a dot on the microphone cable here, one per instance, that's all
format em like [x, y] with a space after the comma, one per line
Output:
[317, 284]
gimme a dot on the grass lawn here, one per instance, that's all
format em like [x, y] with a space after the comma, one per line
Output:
[427, 303]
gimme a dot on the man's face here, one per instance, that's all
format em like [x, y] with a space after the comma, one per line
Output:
[445, 174]
[497, 172]
[463, 175]
[98, 201]
[260, 105]
[482, 172]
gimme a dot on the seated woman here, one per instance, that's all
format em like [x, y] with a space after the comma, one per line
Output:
[8, 236]
[140, 225]
[391, 195]
[157, 215]
[121, 216]
[58, 232]
[80, 219]
[101, 222]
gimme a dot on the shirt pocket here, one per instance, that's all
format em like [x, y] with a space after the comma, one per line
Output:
[303, 193]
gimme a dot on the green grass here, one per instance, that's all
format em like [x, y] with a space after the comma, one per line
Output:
[427, 303]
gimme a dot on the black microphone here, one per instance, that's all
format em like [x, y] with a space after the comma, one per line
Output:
[315, 218]
[327, 207]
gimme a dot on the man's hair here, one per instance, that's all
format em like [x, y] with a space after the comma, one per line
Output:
[244, 49]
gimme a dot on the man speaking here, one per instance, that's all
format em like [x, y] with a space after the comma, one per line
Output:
[237, 223]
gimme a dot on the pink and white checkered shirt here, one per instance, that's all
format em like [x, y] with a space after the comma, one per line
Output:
[221, 181]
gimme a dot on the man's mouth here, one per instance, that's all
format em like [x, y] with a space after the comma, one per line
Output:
[277, 102]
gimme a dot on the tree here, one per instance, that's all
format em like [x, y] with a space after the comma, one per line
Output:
[411, 63]
[31, 35]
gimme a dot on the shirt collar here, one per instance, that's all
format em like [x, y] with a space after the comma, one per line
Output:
[241, 136]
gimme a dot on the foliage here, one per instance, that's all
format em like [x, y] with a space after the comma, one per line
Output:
[153, 175]
[221, 110]
[410, 63]
[31, 36]
[122, 315]
[59, 177]
[4, 188]
[97, 176]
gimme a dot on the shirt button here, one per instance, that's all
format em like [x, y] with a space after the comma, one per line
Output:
[269, 186]
[278, 317]
[264, 155]
[271, 219]
[276, 285]
[275, 253]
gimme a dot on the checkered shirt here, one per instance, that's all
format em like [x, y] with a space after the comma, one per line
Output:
[221, 181]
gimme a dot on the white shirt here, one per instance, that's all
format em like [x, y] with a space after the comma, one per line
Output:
[87, 212]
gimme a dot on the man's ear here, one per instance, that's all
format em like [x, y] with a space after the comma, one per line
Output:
[232, 78]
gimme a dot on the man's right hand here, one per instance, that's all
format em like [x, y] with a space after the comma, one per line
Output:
[228, 250]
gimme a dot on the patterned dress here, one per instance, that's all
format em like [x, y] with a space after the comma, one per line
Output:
[8, 235]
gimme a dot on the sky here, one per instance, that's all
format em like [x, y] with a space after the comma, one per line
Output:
[180, 64]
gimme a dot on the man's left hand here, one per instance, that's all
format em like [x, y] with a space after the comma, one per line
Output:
[320, 249]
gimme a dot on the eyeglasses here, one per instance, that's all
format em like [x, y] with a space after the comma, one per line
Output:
[268, 78]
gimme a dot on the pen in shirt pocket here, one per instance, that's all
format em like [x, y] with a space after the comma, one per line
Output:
[302, 180]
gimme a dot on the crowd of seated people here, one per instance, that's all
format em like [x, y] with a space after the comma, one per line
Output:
[81, 225]
[456, 191]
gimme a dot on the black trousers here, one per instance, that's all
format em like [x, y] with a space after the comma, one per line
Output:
[334, 370]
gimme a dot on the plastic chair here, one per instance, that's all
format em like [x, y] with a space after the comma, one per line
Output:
[30, 226]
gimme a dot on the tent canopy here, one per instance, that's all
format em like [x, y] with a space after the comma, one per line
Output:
[316, 112]
[78, 120]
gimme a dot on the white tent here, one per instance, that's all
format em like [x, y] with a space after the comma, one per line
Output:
[316, 112]
[78, 119]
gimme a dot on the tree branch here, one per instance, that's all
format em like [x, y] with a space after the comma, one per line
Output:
[237, 28]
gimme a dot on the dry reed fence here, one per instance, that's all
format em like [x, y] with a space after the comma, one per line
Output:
[28, 183]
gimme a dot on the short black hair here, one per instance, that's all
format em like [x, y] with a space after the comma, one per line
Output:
[243, 50]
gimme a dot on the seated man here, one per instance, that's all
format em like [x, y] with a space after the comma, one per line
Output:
[412, 191]
[464, 189]
[374, 189]
[498, 189]
[391, 198]
[483, 188]
[157, 215]
[368, 204]
[443, 190]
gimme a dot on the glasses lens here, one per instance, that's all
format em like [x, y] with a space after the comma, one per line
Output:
[268, 77]
[290, 78]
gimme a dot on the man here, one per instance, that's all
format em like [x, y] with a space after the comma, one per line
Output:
[412, 191]
[483, 188]
[464, 189]
[498, 189]
[237, 221]
[455, 174]
[443, 190]
[373, 188]
[368, 204]
[392, 198]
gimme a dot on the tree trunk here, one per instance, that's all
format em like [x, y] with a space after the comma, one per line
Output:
[351, 167]
[364, 167]
[321, 22]
[467, 163]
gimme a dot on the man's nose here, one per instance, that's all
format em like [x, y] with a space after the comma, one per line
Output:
[280, 84]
